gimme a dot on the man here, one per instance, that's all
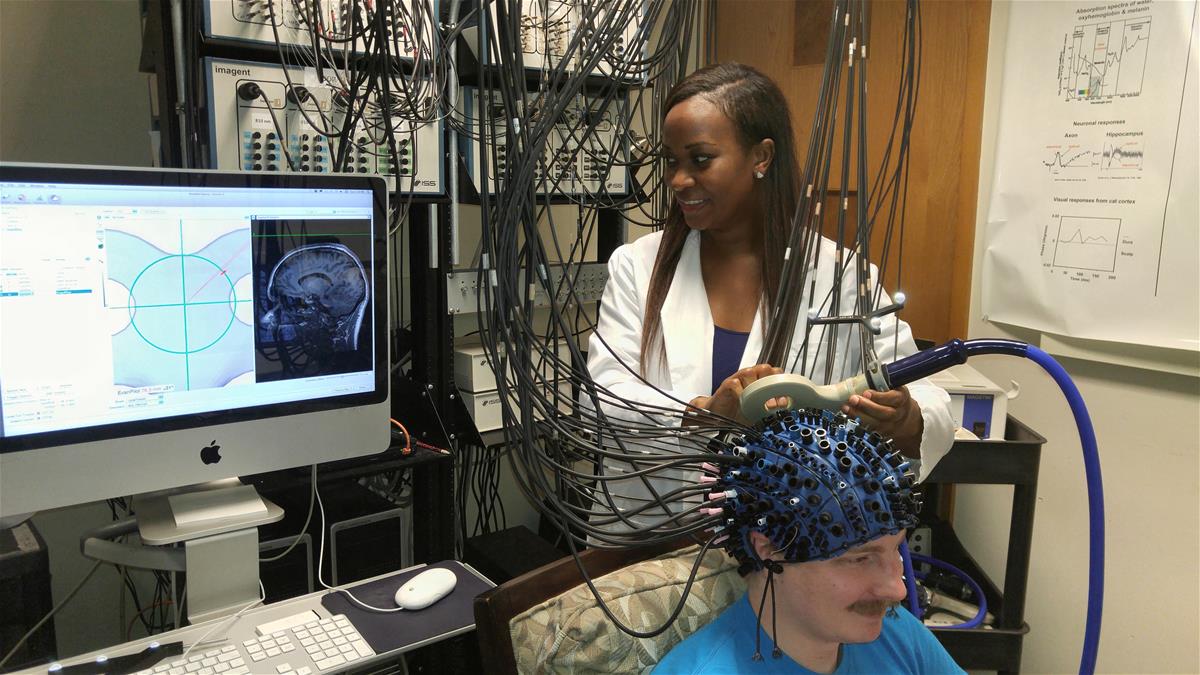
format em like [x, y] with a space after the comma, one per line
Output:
[816, 512]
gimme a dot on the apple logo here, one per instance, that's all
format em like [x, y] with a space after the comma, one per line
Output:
[210, 454]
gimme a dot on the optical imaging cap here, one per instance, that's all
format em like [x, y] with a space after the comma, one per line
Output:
[816, 484]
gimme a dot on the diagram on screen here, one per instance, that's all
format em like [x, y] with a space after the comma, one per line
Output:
[180, 300]
[1103, 60]
[1087, 243]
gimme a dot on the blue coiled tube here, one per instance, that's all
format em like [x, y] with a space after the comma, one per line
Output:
[910, 581]
[982, 599]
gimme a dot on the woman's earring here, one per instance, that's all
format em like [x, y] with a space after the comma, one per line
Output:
[758, 174]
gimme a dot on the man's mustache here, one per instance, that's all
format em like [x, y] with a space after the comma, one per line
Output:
[873, 607]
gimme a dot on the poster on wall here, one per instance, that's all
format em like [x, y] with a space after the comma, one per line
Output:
[1092, 228]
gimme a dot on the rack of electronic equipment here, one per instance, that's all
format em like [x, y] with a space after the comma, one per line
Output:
[278, 86]
[421, 92]
[549, 95]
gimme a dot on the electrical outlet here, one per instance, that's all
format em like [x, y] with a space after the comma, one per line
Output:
[919, 541]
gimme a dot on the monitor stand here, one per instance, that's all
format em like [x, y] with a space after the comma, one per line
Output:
[217, 523]
[204, 510]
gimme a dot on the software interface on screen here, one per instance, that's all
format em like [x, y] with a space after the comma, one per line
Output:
[130, 303]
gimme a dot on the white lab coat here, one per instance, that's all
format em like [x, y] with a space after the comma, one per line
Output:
[687, 331]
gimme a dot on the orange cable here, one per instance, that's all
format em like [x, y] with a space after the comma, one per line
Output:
[407, 439]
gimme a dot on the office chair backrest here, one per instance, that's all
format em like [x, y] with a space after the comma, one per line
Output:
[547, 621]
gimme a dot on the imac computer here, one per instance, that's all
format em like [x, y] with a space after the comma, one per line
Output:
[161, 328]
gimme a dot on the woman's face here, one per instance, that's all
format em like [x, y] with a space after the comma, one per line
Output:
[709, 170]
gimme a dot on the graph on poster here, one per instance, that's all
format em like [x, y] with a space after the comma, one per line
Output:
[1103, 60]
[1085, 243]
[1121, 157]
[1074, 159]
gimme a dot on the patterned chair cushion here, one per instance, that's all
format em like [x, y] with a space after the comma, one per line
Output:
[571, 634]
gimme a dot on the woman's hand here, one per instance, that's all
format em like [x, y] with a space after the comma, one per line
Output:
[726, 401]
[892, 413]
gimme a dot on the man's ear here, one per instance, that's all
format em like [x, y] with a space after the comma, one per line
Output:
[762, 545]
[763, 153]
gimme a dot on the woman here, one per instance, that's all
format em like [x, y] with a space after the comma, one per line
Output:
[685, 307]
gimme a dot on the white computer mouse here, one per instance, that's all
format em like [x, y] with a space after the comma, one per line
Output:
[426, 588]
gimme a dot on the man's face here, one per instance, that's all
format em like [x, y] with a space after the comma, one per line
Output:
[844, 599]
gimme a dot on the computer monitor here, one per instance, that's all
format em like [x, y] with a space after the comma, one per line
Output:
[160, 328]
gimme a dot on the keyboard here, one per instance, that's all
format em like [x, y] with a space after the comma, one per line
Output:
[300, 644]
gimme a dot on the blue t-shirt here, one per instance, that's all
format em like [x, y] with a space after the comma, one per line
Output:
[726, 645]
[728, 346]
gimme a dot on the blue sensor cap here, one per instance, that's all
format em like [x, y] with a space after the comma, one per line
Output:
[816, 484]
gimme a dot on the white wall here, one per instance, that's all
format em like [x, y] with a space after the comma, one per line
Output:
[72, 92]
[1147, 425]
